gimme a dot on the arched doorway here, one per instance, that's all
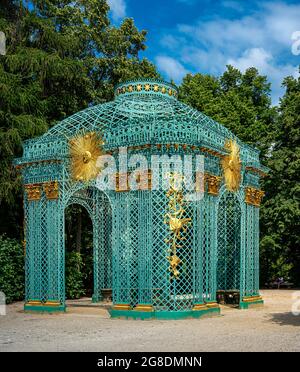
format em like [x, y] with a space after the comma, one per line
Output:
[78, 252]
[229, 248]
[96, 207]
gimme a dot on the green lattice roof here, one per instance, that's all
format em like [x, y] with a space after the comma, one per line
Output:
[144, 112]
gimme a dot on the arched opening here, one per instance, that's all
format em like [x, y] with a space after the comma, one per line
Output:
[78, 252]
[229, 249]
[88, 246]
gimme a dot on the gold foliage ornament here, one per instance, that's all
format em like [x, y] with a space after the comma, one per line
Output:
[232, 165]
[178, 224]
[85, 150]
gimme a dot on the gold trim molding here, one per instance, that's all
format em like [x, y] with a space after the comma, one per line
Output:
[168, 146]
[213, 184]
[52, 303]
[256, 170]
[144, 307]
[51, 189]
[33, 191]
[253, 196]
[153, 87]
[212, 305]
[121, 307]
[199, 307]
[252, 298]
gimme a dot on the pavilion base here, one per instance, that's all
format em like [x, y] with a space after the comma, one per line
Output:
[166, 315]
[251, 301]
[44, 307]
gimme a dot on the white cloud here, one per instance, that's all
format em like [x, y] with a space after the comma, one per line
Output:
[172, 68]
[272, 26]
[261, 39]
[118, 9]
[257, 57]
[266, 65]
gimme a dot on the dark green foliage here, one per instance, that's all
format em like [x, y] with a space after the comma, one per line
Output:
[74, 275]
[80, 240]
[239, 101]
[11, 269]
[61, 58]
[88, 271]
[280, 213]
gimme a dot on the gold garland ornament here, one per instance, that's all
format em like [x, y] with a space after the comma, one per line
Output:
[232, 165]
[178, 224]
[85, 150]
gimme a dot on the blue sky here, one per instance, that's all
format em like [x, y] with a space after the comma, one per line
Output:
[204, 35]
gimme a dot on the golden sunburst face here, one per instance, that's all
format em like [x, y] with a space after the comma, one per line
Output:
[232, 165]
[85, 150]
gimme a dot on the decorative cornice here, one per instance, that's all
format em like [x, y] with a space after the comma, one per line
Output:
[146, 87]
[212, 152]
[51, 189]
[256, 170]
[33, 191]
[213, 184]
[253, 196]
[171, 146]
[35, 162]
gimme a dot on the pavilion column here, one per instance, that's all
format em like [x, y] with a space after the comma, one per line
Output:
[102, 229]
[243, 251]
[45, 255]
[144, 252]
[54, 238]
[211, 234]
[198, 254]
[33, 211]
[256, 251]
[252, 251]
[98, 249]
[250, 262]
[121, 253]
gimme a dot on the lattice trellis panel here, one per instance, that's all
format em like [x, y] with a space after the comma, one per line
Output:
[171, 293]
[251, 287]
[229, 243]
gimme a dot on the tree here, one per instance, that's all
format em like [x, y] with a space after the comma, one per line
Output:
[280, 213]
[62, 56]
[241, 102]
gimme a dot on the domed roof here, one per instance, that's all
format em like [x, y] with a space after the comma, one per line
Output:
[144, 111]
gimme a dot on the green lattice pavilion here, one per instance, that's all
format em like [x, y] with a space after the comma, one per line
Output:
[220, 252]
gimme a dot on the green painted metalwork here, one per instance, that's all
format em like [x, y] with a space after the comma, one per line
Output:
[164, 315]
[221, 247]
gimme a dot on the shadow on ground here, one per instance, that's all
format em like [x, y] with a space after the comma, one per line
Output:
[285, 319]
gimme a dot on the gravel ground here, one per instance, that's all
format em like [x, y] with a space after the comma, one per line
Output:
[269, 328]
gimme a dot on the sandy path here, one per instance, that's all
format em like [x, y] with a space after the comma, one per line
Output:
[269, 328]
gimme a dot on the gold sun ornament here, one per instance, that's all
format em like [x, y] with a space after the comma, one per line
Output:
[232, 165]
[84, 151]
